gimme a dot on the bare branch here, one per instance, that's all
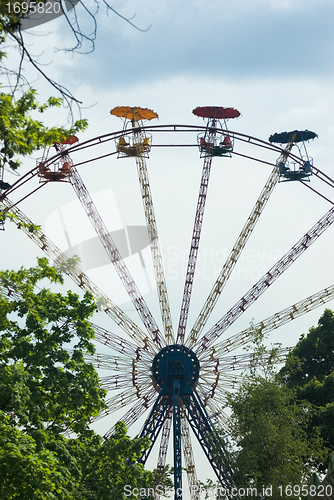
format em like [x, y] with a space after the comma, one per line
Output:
[11, 26]
[128, 20]
[62, 90]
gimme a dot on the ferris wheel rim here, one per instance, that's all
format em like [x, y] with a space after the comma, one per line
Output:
[112, 136]
[161, 128]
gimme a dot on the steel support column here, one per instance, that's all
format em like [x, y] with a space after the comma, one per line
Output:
[177, 440]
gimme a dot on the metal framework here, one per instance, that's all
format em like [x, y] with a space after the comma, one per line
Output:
[139, 148]
[79, 277]
[190, 274]
[182, 382]
[275, 272]
[188, 454]
[233, 258]
[115, 257]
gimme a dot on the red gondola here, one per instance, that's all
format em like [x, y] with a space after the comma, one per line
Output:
[216, 112]
[213, 142]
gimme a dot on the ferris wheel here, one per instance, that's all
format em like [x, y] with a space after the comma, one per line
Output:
[178, 376]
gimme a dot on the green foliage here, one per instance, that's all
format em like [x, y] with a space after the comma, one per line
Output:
[21, 134]
[70, 264]
[313, 356]
[46, 390]
[309, 370]
[40, 382]
[270, 430]
[106, 469]
[28, 471]
[74, 469]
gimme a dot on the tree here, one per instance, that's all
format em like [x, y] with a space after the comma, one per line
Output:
[21, 134]
[43, 385]
[309, 370]
[12, 15]
[270, 432]
[272, 446]
[111, 471]
[29, 470]
[44, 389]
[47, 390]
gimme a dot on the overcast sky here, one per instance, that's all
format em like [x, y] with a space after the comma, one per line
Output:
[273, 61]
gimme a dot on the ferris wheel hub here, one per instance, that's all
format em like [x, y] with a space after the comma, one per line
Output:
[175, 362]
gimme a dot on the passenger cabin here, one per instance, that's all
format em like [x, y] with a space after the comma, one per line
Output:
[216, 139]
[218, 145]
[59, 172]
[134, 140]
[138, 144]
[296, 172]
[299, 170]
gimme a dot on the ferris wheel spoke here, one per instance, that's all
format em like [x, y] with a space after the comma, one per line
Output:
[215, 405]
[232, 259]
[263, 284]
[189, 458]
[111, 362]
[190, 274]
[214, 409]
[116, 258]
[120, 345]
[270, 324]
[222, 394]
[229, 381]
[78, 276]
[126, 380]
[138, 144]
[209, 147]
[245, 361]
[155, 248]
[137, 410]
[123, 399]
[219, 417]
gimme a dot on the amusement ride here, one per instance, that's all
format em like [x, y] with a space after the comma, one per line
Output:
[178, 377]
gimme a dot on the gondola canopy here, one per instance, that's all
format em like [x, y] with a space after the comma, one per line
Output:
[217, 112]
[293, 136]
[134, 113]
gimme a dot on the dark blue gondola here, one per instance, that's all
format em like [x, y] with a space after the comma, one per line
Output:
[297, 172]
